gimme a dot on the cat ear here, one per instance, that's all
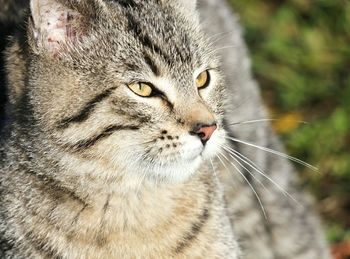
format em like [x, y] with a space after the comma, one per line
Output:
[55, 23]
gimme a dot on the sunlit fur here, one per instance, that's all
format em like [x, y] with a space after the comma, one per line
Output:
[96, 170]
[88, 169]
[112, 59]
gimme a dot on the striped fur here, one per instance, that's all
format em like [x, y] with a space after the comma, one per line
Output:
[91, 170]
[88, 169]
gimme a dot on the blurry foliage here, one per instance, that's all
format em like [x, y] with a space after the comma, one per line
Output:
[301, 58]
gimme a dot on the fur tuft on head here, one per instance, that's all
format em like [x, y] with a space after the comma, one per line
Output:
[190, 4]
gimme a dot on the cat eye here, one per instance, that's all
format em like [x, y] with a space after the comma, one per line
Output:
[141, 89]
[203, 79]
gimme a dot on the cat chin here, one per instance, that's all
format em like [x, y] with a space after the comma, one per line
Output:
[177, 172]
[174, 172]
[188, 165]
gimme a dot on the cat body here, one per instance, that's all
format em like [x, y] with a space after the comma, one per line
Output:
[184, 221]
[93, 170]
[92, 167]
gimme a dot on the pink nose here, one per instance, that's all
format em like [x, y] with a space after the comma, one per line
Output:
[205, 132]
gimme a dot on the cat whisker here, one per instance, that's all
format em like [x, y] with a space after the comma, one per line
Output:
[238, 104]
[237, 160]
[251, 164]
[259, 120]
[214, 171]
[245, 178]
[223, 48]
[137, 144]
[250, 122]
[219, 36]
[294, 159]
[142, 179]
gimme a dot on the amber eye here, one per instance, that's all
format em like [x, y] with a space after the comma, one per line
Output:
[203, 79]
[141, 89]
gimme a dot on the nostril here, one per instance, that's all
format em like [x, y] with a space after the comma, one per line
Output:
[201, 135]
[204, 132]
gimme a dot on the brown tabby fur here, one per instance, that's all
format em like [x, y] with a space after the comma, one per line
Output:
[90, 170]
[69, 185]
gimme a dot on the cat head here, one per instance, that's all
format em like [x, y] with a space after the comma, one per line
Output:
[129, 84]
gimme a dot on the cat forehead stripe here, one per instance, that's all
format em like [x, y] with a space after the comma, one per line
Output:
[178, 51]
[125, 3]
[152, 65]
[145, 40]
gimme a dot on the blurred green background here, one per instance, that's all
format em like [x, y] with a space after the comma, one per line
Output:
[301, 59]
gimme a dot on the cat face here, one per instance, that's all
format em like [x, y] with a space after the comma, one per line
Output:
[131, 85]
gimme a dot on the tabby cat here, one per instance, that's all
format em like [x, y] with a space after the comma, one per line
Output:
[118, 137]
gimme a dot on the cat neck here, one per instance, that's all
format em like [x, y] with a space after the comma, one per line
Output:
[114, 217]
[124, 200]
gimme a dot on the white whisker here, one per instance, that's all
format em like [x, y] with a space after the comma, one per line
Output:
[236, 158]
[250, 163]
[251, 121]
[259, 120]
[219, 36]
[214, 171]
[245, 178]
[224, 47]
[275, 153]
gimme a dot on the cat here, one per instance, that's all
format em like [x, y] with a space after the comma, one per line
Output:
[118, 126]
